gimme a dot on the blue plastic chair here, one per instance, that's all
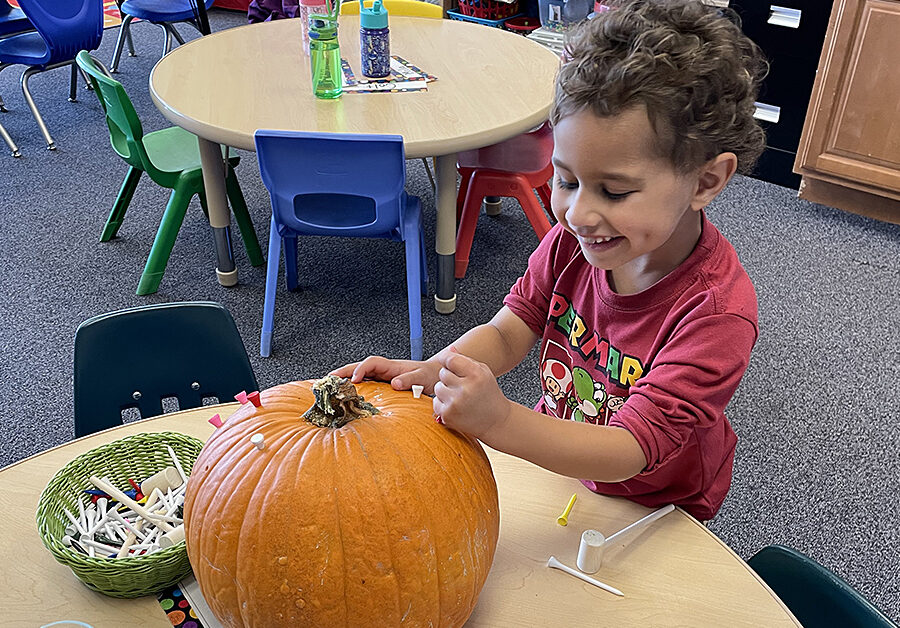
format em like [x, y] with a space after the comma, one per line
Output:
[13, 20]
[817, 597]
[309, 176]
[63, 28]
[160, 12]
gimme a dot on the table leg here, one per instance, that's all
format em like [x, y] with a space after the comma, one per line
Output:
[445, 236]
[219, 215]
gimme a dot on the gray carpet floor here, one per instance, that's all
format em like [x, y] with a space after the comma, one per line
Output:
[816, 413]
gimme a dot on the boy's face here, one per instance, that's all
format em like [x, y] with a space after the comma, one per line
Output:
[632, 212]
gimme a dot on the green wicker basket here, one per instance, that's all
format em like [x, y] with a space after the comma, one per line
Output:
[136, 457]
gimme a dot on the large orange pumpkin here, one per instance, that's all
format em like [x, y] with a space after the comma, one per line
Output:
[388, 520]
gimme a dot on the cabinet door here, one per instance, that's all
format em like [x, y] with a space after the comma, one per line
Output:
[852, 131]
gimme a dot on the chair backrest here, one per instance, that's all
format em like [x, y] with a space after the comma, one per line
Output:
[125, 131]
[66, 26]
[411, 8]
[816, 596]
[12, 20]
[334, 183]
[134, 358]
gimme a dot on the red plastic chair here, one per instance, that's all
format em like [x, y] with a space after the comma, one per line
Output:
[513, 168]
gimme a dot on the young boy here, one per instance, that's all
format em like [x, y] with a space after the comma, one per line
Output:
[645, 315]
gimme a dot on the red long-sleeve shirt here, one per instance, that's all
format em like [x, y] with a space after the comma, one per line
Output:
[662, 363]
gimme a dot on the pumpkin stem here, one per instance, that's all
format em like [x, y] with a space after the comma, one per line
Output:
[337, 403]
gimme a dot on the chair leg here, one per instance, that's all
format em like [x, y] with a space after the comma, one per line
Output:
[124, 33]
[204, 204]
[130, 42]
[3, 108]
[117, 215]
[274, 253]
[465, 176]
[428, 172]
[165, 239]
[544, 192]
[51, 145]
[412, 242]
[533, 210]
[242, 217]
[290, 263]
[424, 260]
[467, 223]
[73, 84]
[9, 142]
[171, 28]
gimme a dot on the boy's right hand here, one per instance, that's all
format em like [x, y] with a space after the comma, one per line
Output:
[402, 374]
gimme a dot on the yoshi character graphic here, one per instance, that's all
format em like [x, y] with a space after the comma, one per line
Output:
[588, 398]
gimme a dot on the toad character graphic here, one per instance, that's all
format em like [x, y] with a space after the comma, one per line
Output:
[557, 381]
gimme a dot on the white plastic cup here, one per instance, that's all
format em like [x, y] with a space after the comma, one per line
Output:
[590, 551]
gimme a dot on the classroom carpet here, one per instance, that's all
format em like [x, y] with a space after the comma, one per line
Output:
[816, 413]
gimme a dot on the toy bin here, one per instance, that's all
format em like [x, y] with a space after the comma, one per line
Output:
[558, 15]
[522, 24]
[455, 15]
[489, 9]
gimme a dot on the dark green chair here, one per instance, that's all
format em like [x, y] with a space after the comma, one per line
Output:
[137, 357]
[171, 158]
[817, 597]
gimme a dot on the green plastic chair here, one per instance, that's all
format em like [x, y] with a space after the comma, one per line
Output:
[137, 357]
[171, 158]
[817, 597]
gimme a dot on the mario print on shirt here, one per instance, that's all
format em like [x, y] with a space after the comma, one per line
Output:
[583, 374]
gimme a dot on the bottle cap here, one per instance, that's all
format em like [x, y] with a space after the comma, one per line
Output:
[322, 27]
[375, 17]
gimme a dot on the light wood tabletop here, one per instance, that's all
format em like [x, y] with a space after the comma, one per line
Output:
[674, 572]
[491, 85]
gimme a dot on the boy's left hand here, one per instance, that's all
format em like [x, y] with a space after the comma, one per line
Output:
[467, 396]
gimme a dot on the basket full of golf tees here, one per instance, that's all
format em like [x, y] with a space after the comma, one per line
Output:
[113, 514]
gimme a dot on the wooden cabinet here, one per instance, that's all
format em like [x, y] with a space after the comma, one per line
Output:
[849, 154]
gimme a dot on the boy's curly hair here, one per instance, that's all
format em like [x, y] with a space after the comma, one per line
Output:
[694, 70]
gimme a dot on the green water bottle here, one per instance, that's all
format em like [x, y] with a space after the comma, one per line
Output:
[325, 56]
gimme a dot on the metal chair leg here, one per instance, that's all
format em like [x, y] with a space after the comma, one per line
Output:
[73, 84]
[51, 145]
[9, 142]
[428, 172]
[171, 28]
[167, 44]
[130, 42]
[124, 33]
[3, 108]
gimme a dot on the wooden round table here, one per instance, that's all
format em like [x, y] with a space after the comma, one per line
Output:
[491, 85]
[674, 572]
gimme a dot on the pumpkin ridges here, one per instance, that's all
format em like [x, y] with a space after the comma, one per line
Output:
[423, 607]
[481, 491]
[415, 430]
[386, 517]
[472, 559]
[254, 545]
[231, 462]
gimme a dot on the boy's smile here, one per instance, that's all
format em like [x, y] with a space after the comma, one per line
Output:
[632, 212]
